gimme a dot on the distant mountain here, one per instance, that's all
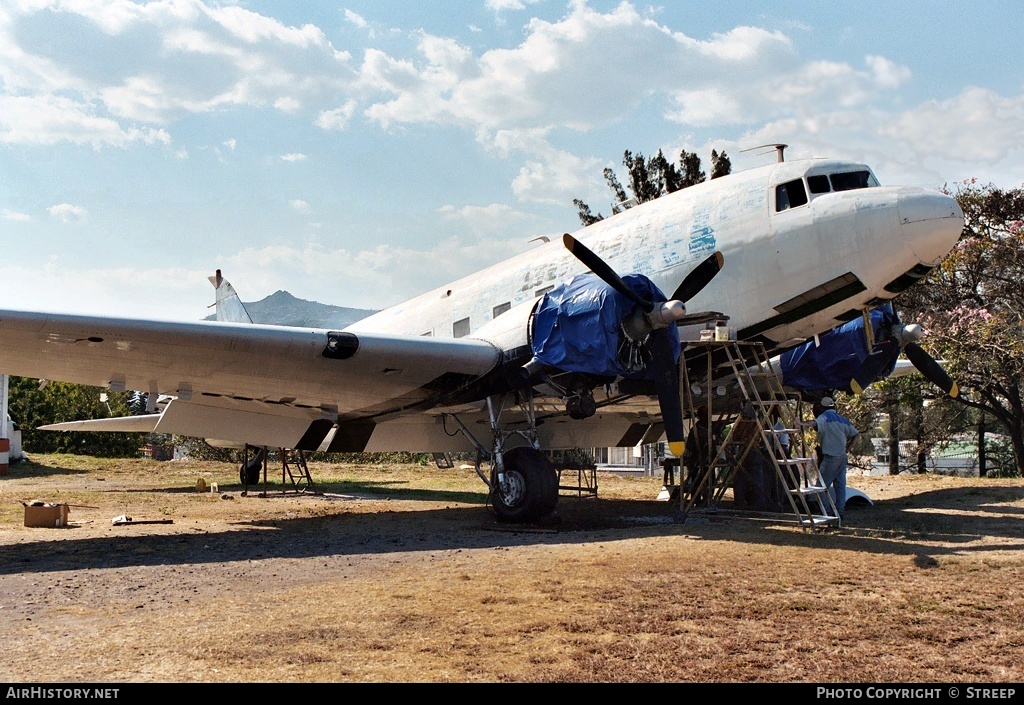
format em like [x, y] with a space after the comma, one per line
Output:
[283, 309]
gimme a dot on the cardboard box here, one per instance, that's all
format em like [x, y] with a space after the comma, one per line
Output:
[47, 516]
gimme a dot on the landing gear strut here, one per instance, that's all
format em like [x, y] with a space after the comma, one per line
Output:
[523, 483]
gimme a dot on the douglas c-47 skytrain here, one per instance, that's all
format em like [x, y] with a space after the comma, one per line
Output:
[528, 355]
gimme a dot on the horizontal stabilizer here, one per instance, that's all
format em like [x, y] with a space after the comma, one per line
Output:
[131, 424]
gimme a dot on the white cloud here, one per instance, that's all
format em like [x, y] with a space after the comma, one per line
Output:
[15, 216]
[374, 278]
[356, 19]
[888, 73]
[253, 27]
[550, 175]
[173, 58]
[977, 125]
[51, 285]
[299, 205]
[803, 88]
[502, 5]
[293, 157]
[53, 119]
[558, 178]
[336, 119]
[288, 104]
[592, 69]
[581, 71]
[67, 212]
[486, 221]
[976, 133]
[230, 143]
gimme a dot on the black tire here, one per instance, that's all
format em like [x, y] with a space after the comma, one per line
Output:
[530, 491]
[249, 473]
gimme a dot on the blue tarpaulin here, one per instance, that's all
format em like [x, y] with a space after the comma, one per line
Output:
[833, 362]
[577, 325]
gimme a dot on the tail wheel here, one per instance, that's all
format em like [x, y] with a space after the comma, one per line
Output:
[530, 488]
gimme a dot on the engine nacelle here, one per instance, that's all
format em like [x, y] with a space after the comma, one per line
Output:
[581, 325]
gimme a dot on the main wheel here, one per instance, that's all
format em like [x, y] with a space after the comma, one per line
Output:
[249, 473]
[530, 489]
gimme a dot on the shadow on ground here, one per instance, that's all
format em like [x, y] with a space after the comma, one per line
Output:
[911, 525]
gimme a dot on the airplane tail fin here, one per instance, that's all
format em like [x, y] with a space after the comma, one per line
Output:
[230, 308]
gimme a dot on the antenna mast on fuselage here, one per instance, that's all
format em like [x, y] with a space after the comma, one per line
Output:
[778, 147]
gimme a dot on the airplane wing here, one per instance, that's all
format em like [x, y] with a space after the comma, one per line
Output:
[266, 385]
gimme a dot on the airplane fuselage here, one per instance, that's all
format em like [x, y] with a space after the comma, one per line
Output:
[792, 269]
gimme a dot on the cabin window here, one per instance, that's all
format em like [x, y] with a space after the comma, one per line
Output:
[818, 184]
[852, 180]
[790, 195]
[500, 309]
[427, 334]
[543, 290]
[460, 328]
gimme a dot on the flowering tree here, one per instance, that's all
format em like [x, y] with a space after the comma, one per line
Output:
[973, 307]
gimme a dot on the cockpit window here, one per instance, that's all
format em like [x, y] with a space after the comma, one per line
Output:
[790, 195]
[818, 184]
[852, 180]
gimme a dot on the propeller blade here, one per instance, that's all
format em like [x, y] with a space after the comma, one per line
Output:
[931, 369]
[875, 365]
[666, 383]
[699, 277]
[608, 275]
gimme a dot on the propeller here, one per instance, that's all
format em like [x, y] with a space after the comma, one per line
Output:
[699, 278]
[608, 275]
[651, 322]
[931, 369]
[896, 338]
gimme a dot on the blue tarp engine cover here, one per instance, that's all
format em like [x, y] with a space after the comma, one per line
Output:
[835, 360]
[577, 325]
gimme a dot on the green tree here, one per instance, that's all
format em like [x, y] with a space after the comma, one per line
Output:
[909, 408]
[585, 214]
[32, 405]
[651, 178]
[972, 307]
[720, 164]
[692, 172]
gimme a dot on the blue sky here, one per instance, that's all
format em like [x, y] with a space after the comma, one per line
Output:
[359, 153]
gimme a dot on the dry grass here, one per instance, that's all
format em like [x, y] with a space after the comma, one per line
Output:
[399, 574]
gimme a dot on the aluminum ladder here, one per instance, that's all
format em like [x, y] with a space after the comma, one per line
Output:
[746, 365]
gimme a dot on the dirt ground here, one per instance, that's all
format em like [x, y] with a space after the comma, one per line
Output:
[400, 574]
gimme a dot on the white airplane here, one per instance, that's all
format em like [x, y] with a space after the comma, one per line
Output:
[507, 361]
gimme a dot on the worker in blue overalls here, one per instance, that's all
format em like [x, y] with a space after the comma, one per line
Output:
[835, 433]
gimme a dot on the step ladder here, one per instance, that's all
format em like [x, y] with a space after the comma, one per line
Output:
[768, 416]
[295, 471]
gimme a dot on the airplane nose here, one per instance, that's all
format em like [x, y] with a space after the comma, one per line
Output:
[931, 223]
